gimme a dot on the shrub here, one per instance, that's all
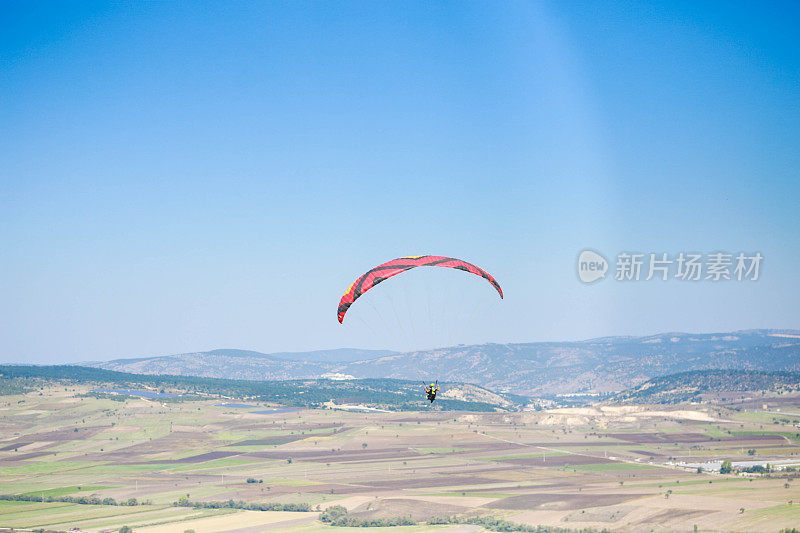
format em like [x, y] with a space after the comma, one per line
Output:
[336, 515]
[333, 513]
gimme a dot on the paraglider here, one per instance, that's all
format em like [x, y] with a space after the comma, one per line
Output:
[400, 265]
[432, 390]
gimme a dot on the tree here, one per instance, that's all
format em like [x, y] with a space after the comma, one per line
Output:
[726, 467]
[126, 529]
[333, 513]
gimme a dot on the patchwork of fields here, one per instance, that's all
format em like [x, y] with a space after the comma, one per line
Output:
[614, 469]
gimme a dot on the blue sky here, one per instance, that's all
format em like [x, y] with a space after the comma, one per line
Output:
[187, 176]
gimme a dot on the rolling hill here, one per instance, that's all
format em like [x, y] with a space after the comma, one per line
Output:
[703, 385]
[597, 365]
[390, 394]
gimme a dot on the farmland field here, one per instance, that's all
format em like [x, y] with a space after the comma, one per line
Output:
[150, 461]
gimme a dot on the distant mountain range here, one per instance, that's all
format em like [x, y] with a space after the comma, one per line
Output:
[244, 364]
[543, 368]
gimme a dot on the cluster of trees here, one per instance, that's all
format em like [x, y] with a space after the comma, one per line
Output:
[727, 468]
[9, 387]
[184, 501]
[123, 529]
[451, 405]
[336, 515]
[498, 524]
[82, 500]
[688, 386]
[284, 391]
[757, 469]
[388, 393]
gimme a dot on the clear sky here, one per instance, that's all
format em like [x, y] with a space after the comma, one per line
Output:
[177, 177]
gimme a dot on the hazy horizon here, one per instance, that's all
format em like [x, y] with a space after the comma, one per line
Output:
[431, 348]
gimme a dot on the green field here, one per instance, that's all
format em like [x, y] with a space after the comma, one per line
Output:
[65, 445]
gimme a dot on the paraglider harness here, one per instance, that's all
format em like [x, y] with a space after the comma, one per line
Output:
[432, 390]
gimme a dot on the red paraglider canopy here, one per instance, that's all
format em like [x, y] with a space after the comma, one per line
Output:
[397, 266]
